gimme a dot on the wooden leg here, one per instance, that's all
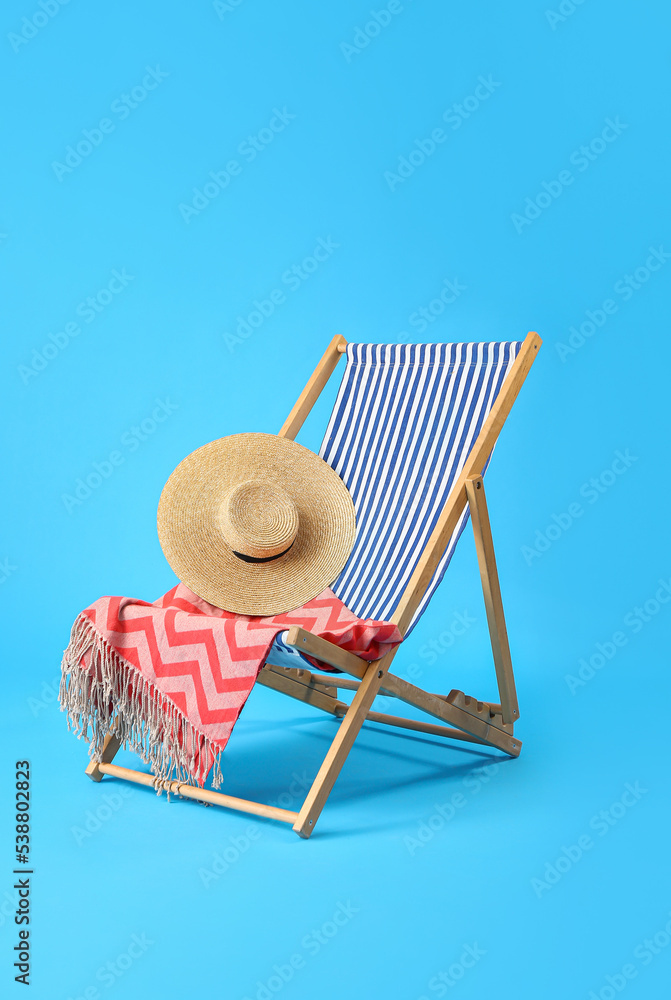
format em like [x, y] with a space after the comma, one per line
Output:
[341, 746]
[489, 576]
[110, 747]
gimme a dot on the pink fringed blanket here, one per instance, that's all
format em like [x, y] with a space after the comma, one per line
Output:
[170, 678]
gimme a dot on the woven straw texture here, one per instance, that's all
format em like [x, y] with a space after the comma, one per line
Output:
[255, 494]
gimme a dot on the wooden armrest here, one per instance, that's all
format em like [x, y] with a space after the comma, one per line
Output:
[326, 651]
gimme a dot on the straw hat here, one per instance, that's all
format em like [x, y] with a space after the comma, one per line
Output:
[255, 523]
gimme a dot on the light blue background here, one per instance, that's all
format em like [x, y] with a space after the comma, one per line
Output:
[162, 337]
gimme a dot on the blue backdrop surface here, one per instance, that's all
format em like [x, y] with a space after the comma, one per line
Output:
[169, 170]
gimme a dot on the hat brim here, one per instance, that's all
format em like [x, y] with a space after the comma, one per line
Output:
[194, 546]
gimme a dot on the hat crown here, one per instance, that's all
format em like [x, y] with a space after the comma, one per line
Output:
[258, 519]
[228, 522]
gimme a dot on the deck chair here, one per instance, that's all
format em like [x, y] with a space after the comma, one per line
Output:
[411, 435]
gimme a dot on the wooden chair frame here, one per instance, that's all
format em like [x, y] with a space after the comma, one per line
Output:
[478, 722]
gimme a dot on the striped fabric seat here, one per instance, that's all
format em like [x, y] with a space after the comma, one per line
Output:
[282, 655]
[404, 421]
[403, 424]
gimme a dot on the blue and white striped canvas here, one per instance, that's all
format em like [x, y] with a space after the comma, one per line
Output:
[404, 421]
[282, 655]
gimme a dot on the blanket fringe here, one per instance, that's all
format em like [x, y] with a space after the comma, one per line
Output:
[102, 693]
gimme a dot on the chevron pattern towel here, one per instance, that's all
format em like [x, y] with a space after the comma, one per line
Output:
[170, 678]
